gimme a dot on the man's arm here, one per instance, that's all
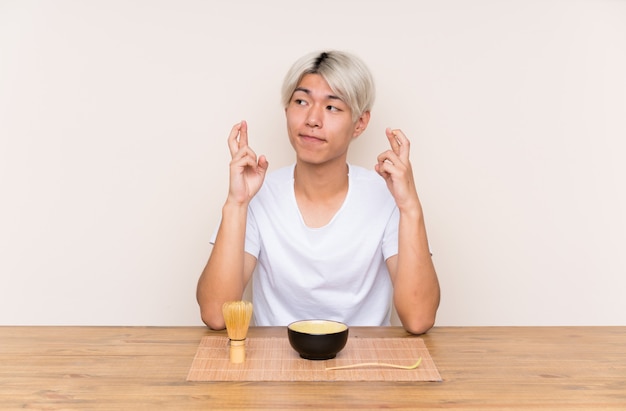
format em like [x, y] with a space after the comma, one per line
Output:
[416, 287]
[229, 267]
[416, 290]
[228, 270]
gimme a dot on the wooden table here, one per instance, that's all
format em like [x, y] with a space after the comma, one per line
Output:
[483, 368]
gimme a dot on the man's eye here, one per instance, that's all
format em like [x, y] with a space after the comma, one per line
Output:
[299, 102]
[332, 108]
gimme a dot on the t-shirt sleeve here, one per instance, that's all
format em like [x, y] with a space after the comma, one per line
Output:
[252, 241]
[214, 235]
[390, 236]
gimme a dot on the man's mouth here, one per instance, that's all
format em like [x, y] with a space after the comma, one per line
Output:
[308, 137]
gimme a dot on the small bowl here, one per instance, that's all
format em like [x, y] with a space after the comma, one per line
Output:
[317, 339]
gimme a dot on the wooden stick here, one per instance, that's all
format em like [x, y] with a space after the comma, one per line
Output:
[377, 364]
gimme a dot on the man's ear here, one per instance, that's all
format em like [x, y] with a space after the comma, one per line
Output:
[361, 124]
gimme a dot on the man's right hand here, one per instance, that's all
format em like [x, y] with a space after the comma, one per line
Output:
[247, 173]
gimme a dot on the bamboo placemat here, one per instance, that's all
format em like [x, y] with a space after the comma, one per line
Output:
[273, 359]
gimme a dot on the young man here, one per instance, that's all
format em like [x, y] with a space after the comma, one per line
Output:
[324, 239]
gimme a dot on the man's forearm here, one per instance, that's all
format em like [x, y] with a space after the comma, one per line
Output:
[416, 287]
[223, 277]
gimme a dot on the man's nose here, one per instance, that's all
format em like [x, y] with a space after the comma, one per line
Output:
[314, 116]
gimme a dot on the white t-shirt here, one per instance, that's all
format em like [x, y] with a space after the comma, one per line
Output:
[335, 272]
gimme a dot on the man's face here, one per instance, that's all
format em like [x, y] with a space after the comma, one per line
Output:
[319, 123]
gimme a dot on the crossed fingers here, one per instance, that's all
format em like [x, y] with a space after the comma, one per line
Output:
[238, 138]
[399, 143]
[400, 148]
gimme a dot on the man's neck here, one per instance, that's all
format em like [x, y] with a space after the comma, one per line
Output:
[321, 182]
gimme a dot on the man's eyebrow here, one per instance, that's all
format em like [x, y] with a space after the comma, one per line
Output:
[307, 91]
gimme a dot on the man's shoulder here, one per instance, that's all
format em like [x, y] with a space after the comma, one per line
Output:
[370, 178]
[369, 188]
[280, 175]
[276, 185]
[362, 172]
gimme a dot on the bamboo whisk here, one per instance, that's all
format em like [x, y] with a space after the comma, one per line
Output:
[237, 315]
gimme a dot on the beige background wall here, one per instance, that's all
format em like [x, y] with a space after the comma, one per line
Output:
[113, 156]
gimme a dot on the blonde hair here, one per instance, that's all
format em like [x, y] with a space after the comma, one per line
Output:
[347, 75]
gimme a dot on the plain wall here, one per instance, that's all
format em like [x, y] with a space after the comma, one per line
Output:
[114, 164]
